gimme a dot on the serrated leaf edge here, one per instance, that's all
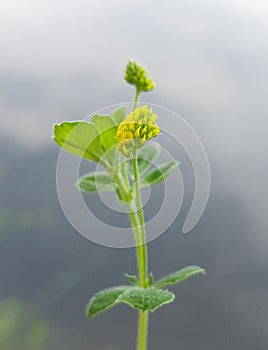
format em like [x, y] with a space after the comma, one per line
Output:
[109, 306]
[118, 300]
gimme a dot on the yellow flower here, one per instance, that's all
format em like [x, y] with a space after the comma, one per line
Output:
[138, 127]
[136, 75]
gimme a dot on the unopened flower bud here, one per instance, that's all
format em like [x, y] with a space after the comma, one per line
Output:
[136, 75]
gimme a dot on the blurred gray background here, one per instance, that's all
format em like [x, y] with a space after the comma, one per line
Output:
[61, 60]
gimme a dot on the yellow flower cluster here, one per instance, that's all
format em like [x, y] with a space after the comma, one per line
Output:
[138, 127]
[136, 75]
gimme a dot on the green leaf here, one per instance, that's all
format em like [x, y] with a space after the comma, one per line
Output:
[146, 299]
[80, 138]
[151, 279]
[159, 174]
[132, 279]
[104, 300]
[119, 115]
[146, 156]
[179, 276]
[107, 128]
[95, 182]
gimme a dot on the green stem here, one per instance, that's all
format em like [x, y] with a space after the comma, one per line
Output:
[142, 330]
[144, 272]
[136, 99]
[136, 229]
[138, 225]
[143, 264]
[131, 205]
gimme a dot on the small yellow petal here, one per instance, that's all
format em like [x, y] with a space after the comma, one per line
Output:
[131, 126]
[149, 135]
[144, 129]
[137, 133]
[123, 135]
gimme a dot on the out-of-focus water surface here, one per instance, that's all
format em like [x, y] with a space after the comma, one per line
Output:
[61, 60]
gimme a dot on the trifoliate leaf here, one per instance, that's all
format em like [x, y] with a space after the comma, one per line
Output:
[104, 300]
[159, 174]
[179, 276]
[96, 182]
[146, 299]
[80, 138]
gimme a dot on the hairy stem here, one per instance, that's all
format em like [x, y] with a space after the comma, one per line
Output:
[143, 265]
[137, 235]
[131, 205]
[142, 330]
[144, 272]
[138, 225]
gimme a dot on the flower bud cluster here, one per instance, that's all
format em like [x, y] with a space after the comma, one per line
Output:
[136, 75]
[138, 127]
